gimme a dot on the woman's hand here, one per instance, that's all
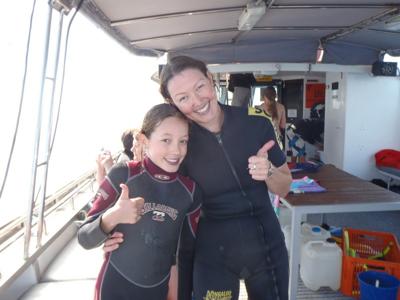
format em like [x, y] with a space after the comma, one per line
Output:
[138, 147]
[113, 242]
[260, 168]
[104, 160]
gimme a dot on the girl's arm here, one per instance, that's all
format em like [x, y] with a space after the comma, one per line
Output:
[126, 210]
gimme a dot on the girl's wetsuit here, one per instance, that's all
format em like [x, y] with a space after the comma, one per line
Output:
[140, 267]
[239, 234]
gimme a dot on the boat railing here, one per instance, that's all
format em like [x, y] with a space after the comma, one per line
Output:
[15, 228]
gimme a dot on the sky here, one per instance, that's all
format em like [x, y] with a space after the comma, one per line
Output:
[107, 89]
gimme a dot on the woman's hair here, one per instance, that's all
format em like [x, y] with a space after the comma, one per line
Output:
[175, 66]
[157, 114]
[270, 94]
[127, 140]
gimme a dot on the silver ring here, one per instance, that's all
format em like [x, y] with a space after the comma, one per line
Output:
[254, 166]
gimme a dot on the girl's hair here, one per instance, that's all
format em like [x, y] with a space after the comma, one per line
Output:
[175, 66]
[157, 114]
[127, 140]
[270, 94]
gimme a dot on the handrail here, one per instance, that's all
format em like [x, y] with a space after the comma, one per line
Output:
[53, 201]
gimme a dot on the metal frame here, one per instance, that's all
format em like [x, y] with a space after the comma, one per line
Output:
[390, 176]
[331, 206]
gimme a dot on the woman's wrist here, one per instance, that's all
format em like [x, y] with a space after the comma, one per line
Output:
[270, 170]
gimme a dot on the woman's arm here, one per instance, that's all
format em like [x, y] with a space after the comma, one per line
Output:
[186, 247]
[279, 180]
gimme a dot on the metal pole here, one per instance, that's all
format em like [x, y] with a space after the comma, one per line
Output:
[48, 134]
[31, 200]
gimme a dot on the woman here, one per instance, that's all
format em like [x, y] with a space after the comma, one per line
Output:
[127, 139]
[233, 155]
[274, 109]
[153, 206]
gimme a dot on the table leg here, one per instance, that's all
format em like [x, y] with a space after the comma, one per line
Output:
[295, 248]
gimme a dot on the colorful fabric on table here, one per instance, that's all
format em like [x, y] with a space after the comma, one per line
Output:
[305, 185]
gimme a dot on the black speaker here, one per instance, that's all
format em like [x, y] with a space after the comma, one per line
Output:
[381, 68]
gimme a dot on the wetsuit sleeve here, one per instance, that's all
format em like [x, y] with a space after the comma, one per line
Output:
[90, 234]
[267, 133]
[275, 154]
[186, 248]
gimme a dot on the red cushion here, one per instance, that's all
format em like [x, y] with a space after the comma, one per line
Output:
[388, 158]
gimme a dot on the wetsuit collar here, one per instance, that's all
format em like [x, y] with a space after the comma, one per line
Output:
[157, 172]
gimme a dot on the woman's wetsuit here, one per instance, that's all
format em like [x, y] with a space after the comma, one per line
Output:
[140, 267]
[239, 235]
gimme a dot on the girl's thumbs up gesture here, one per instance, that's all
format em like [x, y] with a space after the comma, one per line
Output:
[125, 211]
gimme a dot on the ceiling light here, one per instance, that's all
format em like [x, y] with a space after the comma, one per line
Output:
[251, 15]
[320, 53]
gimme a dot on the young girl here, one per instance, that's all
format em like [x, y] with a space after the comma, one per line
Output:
[153, 207]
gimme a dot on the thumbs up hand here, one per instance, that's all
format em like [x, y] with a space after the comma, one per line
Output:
[259, 165]
[125, 211]
[129, 209]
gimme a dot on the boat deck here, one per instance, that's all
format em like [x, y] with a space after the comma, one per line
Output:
[72, 276]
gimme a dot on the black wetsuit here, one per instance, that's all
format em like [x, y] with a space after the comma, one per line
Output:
[140, 267]
[239, 235]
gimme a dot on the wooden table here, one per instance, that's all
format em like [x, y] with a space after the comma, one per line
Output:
[345, 193]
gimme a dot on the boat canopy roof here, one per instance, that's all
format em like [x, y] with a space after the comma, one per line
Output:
[351, 32]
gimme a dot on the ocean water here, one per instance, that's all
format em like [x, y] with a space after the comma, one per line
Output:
[106, 90]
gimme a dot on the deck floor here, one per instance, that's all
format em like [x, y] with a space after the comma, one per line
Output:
[73, 273]
[303, 293]
[77, 268]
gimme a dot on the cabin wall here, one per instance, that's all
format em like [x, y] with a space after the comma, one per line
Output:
[334, 120]
[361, 118]
[373, 117]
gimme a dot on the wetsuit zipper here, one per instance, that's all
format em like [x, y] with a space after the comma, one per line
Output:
[218, 136]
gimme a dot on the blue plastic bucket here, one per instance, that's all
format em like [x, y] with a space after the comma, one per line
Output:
[378, 286]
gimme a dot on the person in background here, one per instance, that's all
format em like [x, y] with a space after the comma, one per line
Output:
[153, 207]
[104, 162]
[127, 139]
[275, 109]
[239, 236]
[240, 85]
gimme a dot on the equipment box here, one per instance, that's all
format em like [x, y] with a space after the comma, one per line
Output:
[368, 250]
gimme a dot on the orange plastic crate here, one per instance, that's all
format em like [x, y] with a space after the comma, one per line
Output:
[368, 243]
